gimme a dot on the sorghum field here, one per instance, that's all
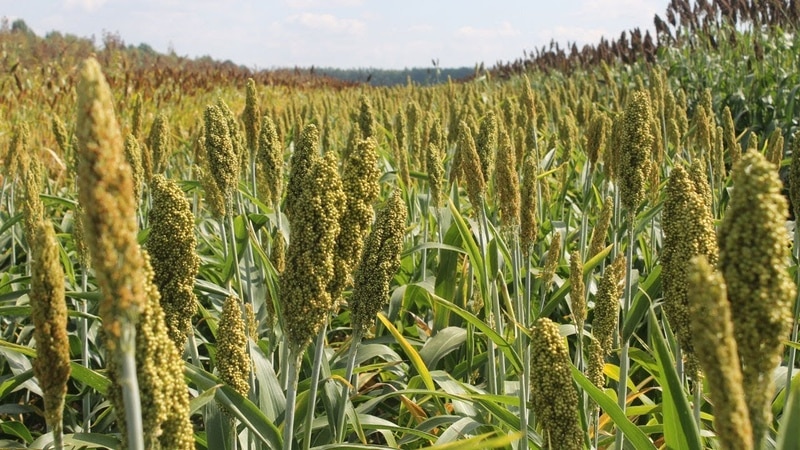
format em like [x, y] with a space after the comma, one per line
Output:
[585, 248]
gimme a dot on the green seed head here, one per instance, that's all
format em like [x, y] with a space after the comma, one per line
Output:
[164, 394]
[159, 144]
[49, 316]
[237, 140]
[366, 118]
[606, 309]
[567, 134]
[270, 160]
[754, 260]
[233, 359]
[305, 153]
[32, 206]
[577, 292]
[435, 173]
[507, 183]
[554, 397]
[171, 245]
[471, 166]
[552, 260]
[133, 155]
[105, 188]
[486, 144]
[794, 176]
[713, 335]
[250, 116]
[729, 134]
[136, 115]
[598, 240]
[379, 263]
[596, 138]
[528, 225]
[222, 158]
[688, 232]
[16, 161]
[637, 141]
[314, 225]
[595, 362]
[360, 183]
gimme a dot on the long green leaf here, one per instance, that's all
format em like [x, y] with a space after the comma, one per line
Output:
[498, 340]
[632, 433]
[788, 437]
[411, 352]
[238, 406]
[680, 428]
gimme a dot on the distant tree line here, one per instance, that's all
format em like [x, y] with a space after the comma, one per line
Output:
[390, 77]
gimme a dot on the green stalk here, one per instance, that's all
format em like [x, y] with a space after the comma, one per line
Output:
[236, 271]
[58, 435]
[291, 398]
[355, 341]
[792, 350]
[84, 336]
[496, 367]
[522, 344]
[129, 384]
[319, 351]
[622, 387]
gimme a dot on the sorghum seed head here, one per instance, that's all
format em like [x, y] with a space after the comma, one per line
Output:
[688, 232]
[171, 244]
[250, 116]
[270, 159]
[577, 293]
[713, 335]
[379, 263]
[49, 316]
[305, 299]
[486, 144]
[159, 145]
[606, 309]
[637, 141]
[233, 359]
[222, 158]
[471, 166]
[133, 155]
[507, 183]
[554, 397]
[754, 260]
[303, 158]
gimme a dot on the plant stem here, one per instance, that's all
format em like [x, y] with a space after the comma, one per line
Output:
[129, 384]
[522, 344]
[792, 350]
[84, 336]
[319, 351]
[351, 362]
[291, 398]
[622, 388]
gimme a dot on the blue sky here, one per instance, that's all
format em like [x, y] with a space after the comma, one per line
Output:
[341, 33]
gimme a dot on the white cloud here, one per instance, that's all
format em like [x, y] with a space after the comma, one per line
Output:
[614, 10]
[88, 5]
[328, 23]
[581, 35]
[306, 4]
[504, 30]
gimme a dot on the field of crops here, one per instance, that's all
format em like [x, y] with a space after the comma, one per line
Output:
[599, 257]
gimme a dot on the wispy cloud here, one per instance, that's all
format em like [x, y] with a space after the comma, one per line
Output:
[328, 23]
[88, 5]
[581, 35]
[505, 29]
[603, 10]
[307, 4]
